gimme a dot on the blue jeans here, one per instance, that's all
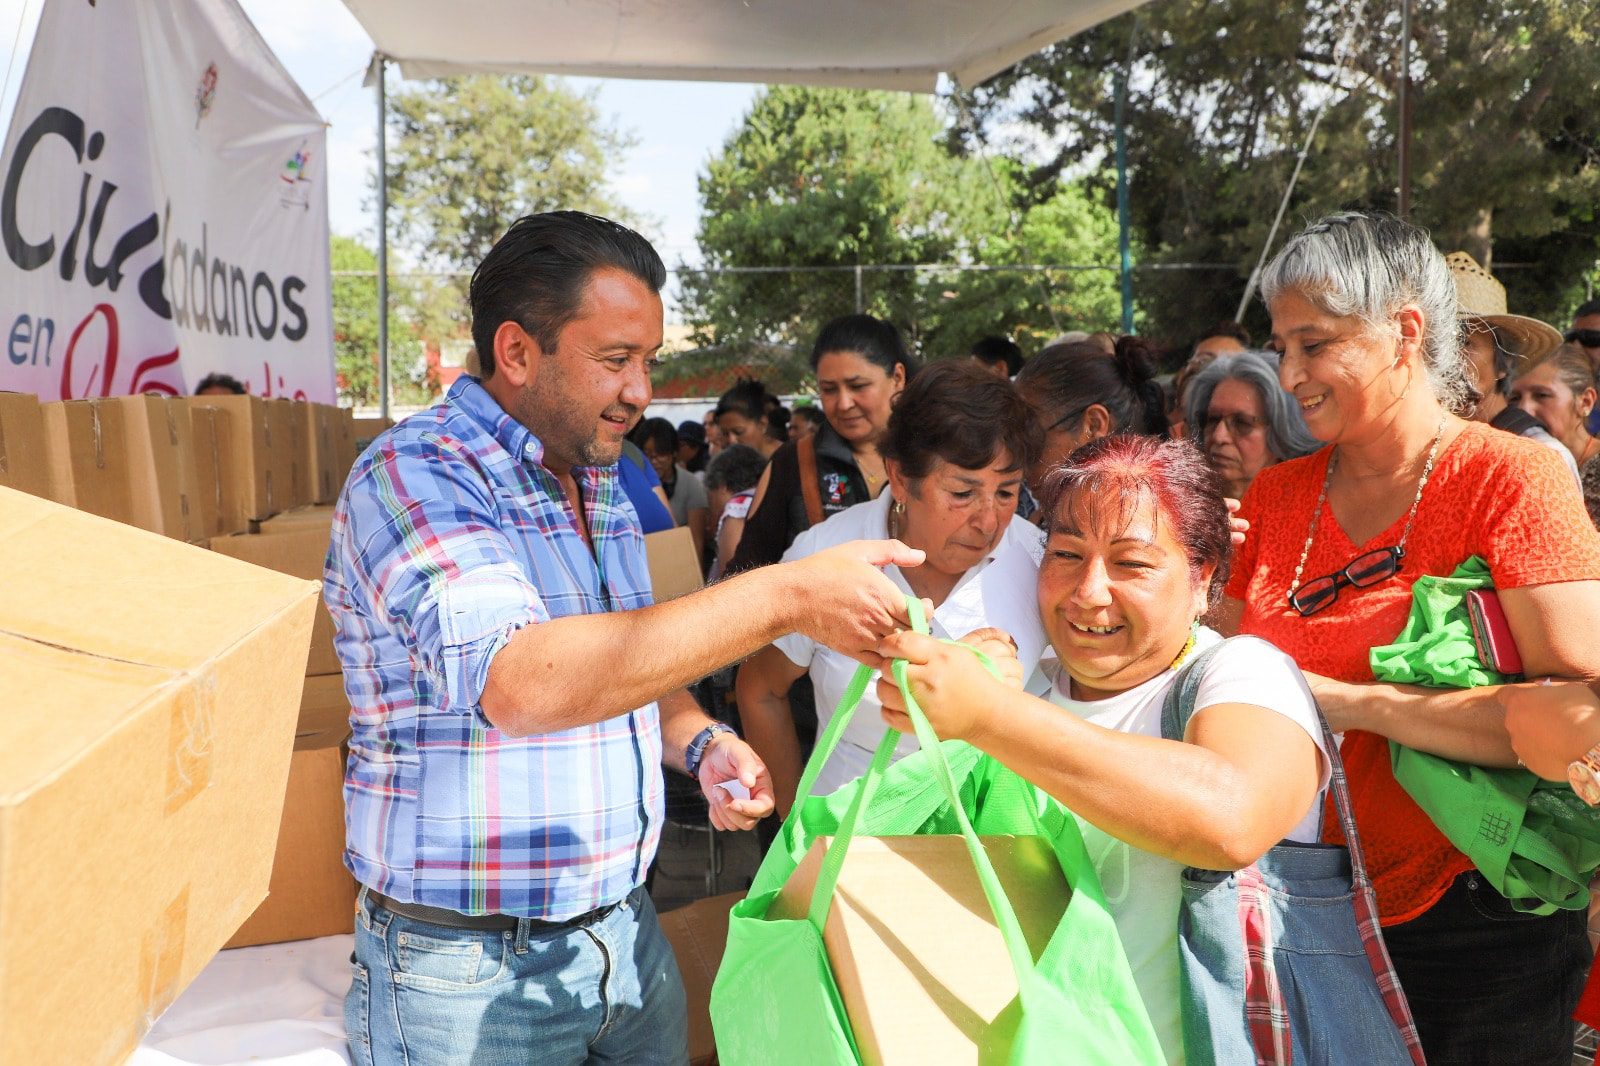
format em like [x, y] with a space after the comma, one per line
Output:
[429, 995]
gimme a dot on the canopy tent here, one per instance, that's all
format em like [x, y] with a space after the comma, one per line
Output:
[883, 44]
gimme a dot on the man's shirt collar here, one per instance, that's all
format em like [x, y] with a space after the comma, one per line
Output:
[473, 400]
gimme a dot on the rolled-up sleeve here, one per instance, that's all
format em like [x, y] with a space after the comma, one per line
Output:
[477, 614]
[439, 572]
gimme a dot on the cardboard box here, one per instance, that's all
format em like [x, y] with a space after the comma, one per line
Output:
[23, 463]
[211, 428]
[324, 712]
[303, 485]
[259, 490]
[288, 419]
[322, 459]
[299, 553]
[913, 946]
[159, 446]
[311, 893]
[344, 442]
[698, 934]
[153, 696]
[366, 430]
[674, 564]
[317, 516]
[85, 444]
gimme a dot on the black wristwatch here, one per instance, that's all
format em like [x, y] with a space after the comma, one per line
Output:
[697, 747]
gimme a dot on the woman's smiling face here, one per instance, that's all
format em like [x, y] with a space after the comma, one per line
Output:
[1342, 373]
[1117, 595]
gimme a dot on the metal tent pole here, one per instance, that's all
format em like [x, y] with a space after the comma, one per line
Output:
[1405, 110]
[382, 63]
[1123, 236]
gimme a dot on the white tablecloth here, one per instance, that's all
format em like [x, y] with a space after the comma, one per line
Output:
[279, 1003]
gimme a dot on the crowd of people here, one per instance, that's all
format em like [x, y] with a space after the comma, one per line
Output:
[1241, 536]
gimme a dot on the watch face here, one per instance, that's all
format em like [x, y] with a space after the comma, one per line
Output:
[1584, 782]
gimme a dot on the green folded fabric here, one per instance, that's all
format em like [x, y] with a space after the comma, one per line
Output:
[1535, 842]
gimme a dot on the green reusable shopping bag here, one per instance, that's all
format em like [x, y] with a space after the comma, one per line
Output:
[1536, 843]
[774, 1002]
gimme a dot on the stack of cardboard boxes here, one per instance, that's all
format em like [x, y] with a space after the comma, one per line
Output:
[171, 660]
[312, 894]
[143, 759]
[190, 469]
[214, 470]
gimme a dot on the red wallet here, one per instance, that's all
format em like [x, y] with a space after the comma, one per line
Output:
[1491, 633]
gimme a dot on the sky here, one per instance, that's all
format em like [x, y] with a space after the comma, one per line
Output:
[678, 125]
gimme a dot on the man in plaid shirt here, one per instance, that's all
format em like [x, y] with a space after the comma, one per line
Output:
[514, 691]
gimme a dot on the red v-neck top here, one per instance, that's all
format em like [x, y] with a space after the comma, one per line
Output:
[1492, 494]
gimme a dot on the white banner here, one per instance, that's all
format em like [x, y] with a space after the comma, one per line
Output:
[164, 209]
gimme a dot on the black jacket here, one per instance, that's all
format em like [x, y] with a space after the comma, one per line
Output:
[771, 528]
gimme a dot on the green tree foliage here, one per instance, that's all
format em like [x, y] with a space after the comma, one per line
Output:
[1506, 143]
[471, 155]
[1067, 228]
[468, 157]
[832, 178]
[824, 178]
[355, 331]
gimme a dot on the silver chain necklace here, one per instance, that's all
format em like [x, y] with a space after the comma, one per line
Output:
[1333, 459]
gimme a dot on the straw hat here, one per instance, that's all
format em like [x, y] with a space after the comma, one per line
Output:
[1480, 296]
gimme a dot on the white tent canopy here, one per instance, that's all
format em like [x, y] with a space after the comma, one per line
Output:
[860, 44]
[869, 44]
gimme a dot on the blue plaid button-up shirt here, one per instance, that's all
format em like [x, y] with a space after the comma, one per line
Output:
[449, 536]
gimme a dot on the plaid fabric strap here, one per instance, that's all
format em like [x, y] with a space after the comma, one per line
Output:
[1265, 1012]
[1366, 904]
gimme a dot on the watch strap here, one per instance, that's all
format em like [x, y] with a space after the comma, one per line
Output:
[697, 747]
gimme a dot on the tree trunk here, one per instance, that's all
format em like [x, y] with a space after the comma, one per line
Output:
[1478, 241]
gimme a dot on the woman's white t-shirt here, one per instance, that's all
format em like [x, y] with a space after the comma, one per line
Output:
[1000, 591]
[1144, 890]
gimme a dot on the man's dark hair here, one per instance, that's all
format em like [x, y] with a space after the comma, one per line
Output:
[220, 381]
[536, 273]
[873, 339]
[959, 412]
[1590, 307]
[735, 468]
[994, 350]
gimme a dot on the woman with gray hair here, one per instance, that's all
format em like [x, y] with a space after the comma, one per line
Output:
[1364, 318]
[1243, 420]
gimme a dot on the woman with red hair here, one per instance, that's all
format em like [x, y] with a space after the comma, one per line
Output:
[1137, 551]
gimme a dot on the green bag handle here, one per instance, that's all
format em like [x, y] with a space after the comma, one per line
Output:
[833, 862]
[963, 761]
[823, 751]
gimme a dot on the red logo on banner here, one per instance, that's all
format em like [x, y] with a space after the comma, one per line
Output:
[98, 375]
[205, 94]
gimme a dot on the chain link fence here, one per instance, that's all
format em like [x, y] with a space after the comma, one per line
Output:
[761, 320]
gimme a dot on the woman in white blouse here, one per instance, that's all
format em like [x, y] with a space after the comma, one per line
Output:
[955, 451]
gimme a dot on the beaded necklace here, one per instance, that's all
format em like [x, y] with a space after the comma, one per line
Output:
[1427, 471]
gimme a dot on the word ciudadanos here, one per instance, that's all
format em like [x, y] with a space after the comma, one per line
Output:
[185, 285]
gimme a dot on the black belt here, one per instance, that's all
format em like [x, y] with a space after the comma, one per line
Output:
[484, 922]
